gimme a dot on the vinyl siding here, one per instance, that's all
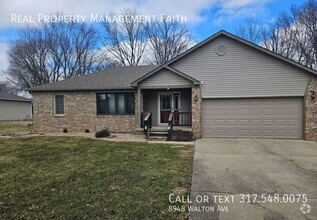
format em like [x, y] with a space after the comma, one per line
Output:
[242, 72]
[164, 78]
[14, 110]
[150, 104]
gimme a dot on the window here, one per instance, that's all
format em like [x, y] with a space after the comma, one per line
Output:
[59, 104]
[166, 102]
[115, 103]
[176, 101]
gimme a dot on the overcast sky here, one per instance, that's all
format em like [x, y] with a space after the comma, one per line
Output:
[204, 17]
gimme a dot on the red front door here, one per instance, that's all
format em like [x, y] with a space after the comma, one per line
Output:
[166, 107]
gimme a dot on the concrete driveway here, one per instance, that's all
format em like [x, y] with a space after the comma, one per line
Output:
[254, 179]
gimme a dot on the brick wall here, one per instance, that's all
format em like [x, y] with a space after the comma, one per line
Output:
[80, 114]
[311, 110]
[196, 112]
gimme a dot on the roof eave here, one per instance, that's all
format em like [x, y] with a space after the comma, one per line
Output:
[86, 89]
[135, 82]
[182, 74]
[264, 50]
[255, 46]
[17, 100]
[165, 66]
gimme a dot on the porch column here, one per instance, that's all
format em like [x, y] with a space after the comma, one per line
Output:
[139, 107]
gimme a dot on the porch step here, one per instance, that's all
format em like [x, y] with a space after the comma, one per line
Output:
[157, 138]
[158, 135]
[158, 128]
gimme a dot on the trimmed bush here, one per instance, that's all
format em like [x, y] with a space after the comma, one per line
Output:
[178, 135]
[102, 133]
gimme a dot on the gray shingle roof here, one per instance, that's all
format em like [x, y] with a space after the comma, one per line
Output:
[115, 78]
[13, 97]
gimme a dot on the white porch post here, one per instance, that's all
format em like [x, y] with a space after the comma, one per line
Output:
[139, 107]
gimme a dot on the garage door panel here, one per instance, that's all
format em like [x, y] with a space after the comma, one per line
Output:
[281, 122]
[281, 111]
[255, 112]
[232, 112]
[268, 122]
[293, 123]
[260, 118]
[256, 132]
[255, 122]
[293, 111]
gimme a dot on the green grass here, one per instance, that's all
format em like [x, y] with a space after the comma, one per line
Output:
[71, 177]
[10, 127]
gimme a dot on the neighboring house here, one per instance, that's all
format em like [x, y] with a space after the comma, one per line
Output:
[13, 107]
[223, 87]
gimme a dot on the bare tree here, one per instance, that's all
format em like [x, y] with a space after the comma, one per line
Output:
[302, 23]
[251, 30]
[278, 39]
[125, 40]
[167, 40]
[53, 51]
[29, 59]
[294, 34]
[73, 48]
[7, 87]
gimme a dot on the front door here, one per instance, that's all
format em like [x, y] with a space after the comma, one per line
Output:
[169, 101]
[165, 106]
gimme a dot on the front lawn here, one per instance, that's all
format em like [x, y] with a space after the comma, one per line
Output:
[77, 178]
[10, 127]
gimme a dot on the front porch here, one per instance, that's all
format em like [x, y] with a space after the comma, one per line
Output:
[161, 102]
[163, 111]
[168, 98]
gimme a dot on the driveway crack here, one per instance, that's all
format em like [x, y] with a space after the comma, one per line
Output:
[281, 156]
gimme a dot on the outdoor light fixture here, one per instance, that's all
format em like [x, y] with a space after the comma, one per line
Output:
[196, 98]
[313, 94]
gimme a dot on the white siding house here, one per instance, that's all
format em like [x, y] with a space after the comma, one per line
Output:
[13, 107]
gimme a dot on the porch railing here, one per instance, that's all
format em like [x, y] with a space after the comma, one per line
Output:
[147, 122]
[170, 124]
[179, 119]
[184, 119]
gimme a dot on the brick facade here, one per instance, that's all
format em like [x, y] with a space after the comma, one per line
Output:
[311, 110]
[80, 114]
[136, 107]
[196, 112]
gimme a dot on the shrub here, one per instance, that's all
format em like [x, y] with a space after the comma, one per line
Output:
[65, 130]
[87, 131]
[102, 133]
[178, 135]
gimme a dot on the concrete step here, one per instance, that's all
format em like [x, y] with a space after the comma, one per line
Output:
[157, 138]
[162, 133]
[158, 128]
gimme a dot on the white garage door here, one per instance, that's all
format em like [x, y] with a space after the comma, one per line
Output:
[256, 117]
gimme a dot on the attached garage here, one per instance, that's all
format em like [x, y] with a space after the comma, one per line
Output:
[249, 92]
[253, 117]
